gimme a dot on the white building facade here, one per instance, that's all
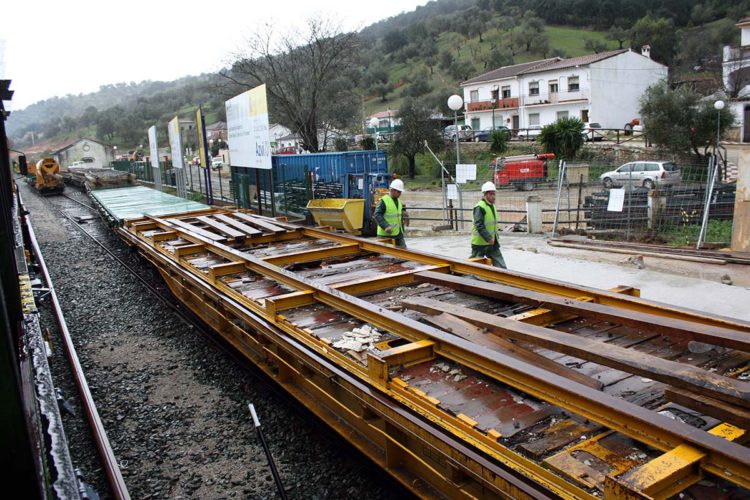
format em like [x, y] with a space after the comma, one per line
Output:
[603, 88]
[736, 79]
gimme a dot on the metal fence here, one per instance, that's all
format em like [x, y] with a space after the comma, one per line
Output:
[579, 202]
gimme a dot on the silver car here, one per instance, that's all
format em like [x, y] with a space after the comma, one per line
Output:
[648, 174]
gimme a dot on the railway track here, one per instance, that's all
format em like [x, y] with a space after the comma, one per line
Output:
[459, 379]
[78, 214]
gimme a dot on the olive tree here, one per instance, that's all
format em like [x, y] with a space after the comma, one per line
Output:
[417, 126]
[310, 76]
[681, 120]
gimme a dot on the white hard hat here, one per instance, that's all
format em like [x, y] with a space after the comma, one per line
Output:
[398, 185]
[488, 186]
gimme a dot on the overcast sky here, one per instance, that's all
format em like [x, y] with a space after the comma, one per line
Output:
[54, 48]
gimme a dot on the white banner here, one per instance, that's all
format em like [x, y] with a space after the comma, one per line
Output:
[153, 146]
[616, 200]
[248, 130]
[466, 172]
[175, 143]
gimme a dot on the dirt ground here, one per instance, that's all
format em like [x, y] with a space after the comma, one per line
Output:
[690, 285]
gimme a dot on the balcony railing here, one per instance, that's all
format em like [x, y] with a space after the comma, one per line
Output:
[508, 102]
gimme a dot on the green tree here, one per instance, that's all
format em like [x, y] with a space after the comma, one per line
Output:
[310, 76]
[595, 46]
[564, 137]
[417, 126]
[367, 143]
[681, 120]
[618, 34]
[659, 33]
[498, 141]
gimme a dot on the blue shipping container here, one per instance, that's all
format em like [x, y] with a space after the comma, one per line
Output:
[329, 167]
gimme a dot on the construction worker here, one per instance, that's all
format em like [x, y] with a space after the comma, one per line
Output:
[484, 233]
[390, 213]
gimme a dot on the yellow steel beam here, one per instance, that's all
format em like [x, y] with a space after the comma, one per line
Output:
[313, 255]
[668, 474]
[729, 460]
[185, 250]
[383, 282]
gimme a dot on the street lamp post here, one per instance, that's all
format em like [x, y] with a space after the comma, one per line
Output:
[718, 106]
[374, 122]
[455, 102]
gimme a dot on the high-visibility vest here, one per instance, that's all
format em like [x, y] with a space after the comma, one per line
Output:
[490, 223]
[393, 209]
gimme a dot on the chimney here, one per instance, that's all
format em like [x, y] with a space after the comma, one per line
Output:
[646, 51]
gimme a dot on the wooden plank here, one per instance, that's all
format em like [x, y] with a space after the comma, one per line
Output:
[628, 360]
[709, 406]
[195, 229]
[689, 330]
[260, 224]
[248, 230]
[222, 228]
[474, 334]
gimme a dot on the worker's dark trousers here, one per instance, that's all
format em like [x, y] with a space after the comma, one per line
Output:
[491, 251]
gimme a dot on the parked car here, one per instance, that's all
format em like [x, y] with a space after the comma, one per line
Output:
[590, 132]
[529, 134]
[217, 162]
[484, 135]
[648, 174]
[464, 132]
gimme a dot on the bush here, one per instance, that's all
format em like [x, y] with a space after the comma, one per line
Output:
[498, 141]
[564, 137]
[341, 144]
[367, 143]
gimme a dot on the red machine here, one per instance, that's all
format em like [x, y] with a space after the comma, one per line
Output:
[522, 172]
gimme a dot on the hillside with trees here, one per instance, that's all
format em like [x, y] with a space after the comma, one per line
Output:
[421, 56]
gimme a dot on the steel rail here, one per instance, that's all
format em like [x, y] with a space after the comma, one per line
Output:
[724, 458]
[109, 461]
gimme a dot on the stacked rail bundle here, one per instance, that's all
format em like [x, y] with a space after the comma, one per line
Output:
[464, 380]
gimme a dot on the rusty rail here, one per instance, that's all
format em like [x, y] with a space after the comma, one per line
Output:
[109, 461]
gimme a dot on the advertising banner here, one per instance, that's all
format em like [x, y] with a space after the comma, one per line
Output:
[248, 130]
[153, 147]
[175, 143]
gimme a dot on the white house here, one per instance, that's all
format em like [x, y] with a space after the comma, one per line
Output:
[95, 153]
[387, 121]
[277, 131]
[603, 88]
[736, 78]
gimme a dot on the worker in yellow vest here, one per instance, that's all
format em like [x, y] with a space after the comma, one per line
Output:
[390, 213]
[484, 233]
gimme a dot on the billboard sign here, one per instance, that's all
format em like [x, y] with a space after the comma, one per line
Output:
[248, 130]
[175, 143]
